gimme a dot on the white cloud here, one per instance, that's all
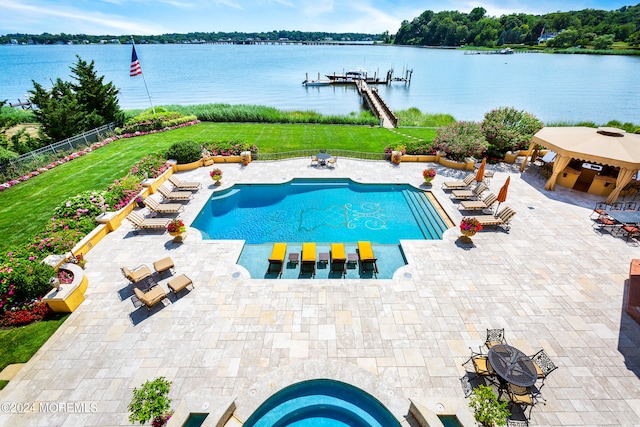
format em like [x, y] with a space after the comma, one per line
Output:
[95, 21]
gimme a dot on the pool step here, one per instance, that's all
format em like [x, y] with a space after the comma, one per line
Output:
[427, 217]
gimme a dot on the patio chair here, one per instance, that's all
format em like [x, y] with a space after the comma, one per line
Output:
[481, 367]
[333, 162]
[459, 184]
[184, 185]
[524, 397]
[314, 160]
[179, 283]
[467, 388]
[162, 208]
[174, 195]
[338, 258]
[473, 194]
[494, 337]
[502, 219]
[308, 263]
[471, 205]
[544, 365]
[599, 210]
[367, 257]
[276, 259]
[630, 206]
[604, 222]
[139, 222]
[150, 298]
[137, 274]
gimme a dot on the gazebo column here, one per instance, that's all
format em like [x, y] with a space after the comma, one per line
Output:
[559, 164]
[532, 146]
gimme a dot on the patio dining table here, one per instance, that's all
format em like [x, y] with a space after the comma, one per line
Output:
[625, 217]
[322, 158]
[512, 365]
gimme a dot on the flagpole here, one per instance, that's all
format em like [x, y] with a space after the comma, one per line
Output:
[145, 82]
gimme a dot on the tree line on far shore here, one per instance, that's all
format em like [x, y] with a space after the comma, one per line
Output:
[588, 27]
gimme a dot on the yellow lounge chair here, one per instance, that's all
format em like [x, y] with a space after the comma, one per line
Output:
[137, 274]
[308, 258]
[276, 259]
[139, 221]
[365, 252]
[151, 297]
[174, 195]
[338, 258]
[184, 185]
[162, 208]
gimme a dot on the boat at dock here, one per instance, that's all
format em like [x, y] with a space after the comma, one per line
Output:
[317, 82]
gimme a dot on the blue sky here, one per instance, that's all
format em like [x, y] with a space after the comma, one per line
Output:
[118, 17]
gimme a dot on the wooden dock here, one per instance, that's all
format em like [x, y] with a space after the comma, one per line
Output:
[377, 105]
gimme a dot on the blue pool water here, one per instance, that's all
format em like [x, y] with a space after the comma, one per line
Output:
[321, 403]
[336, 210]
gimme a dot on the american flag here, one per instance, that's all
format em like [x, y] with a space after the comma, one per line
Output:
[135, 70]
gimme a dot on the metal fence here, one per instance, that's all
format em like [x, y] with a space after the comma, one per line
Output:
[35, 159]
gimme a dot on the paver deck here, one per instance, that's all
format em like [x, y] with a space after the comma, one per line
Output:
[552, 282]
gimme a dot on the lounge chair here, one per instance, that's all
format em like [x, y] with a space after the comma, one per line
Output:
[276, 259]
[473, 194]
[472, 205]
[458, 184]
[502, 219]
[150, 298]
[180, 282]
[146, 223]
[162, 208]
[174, 195]
[338, 258]
[184, 185]
[308, 263]
[137, 274]
[367, 258]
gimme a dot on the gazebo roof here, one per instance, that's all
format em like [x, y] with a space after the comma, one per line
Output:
[608, 146]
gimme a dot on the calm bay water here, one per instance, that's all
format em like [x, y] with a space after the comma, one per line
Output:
[553, 87]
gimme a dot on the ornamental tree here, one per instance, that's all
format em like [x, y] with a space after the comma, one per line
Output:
[506, 128]
[150, 401]
[460, 140]
[487, 409]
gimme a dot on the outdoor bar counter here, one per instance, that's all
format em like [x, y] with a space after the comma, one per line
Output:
[568, 177]
[602, 185]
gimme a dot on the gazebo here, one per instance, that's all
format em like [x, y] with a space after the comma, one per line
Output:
[607, 146]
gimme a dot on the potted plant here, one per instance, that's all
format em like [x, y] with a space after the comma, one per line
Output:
[487, 409]
[176, 227]
[469, 226]
[246, 157]
[429, 174]
[150, 402]
[216, 175]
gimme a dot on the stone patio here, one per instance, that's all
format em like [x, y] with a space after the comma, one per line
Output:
[552, 282]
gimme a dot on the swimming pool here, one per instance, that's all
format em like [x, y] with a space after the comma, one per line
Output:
[321, 403]
[320, 210]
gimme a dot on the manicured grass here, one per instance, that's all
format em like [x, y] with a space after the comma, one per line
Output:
[19, 344]
[26, 208]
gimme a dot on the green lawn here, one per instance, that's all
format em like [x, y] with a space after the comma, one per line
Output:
[19, 344]
[26, 208]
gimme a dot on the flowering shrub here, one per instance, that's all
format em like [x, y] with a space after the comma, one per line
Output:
[176, 226]
[22, 278]
[148, 121]
[417, 148]
[230, 148]
[216, 174]
[85, 204]
[23, 315]
[122, 191]
[460, 140]
[429, 173]
[150, 166]
[506, 128]
[470, 224]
